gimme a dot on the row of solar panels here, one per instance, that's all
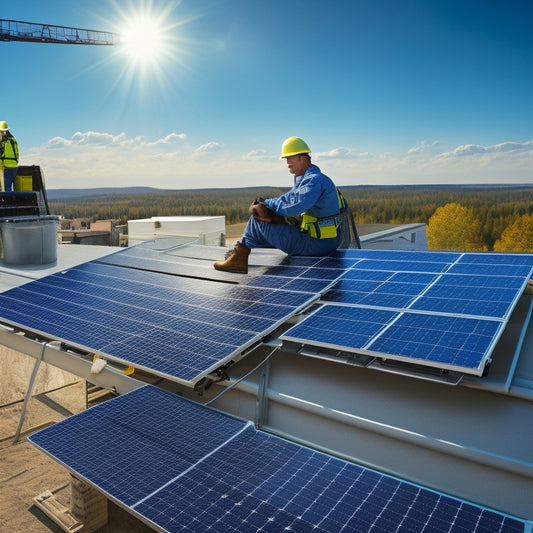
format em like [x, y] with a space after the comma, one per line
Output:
[180, 466]
[148, 309]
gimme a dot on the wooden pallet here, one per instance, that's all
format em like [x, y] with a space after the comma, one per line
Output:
[58, 513]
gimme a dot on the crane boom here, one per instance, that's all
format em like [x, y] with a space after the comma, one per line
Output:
[16, 30]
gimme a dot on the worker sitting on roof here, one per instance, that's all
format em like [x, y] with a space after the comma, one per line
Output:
[9, 157]
[304, 221]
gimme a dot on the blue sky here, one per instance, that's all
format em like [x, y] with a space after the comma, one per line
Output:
[384, 92]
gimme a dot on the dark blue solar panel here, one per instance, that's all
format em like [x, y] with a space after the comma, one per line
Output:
[271, 282]
[466, 300]
[138, 450]
[323, 273]
[342, 326]
[389, 300]
[176, 327]
[337, 262]
[459, 343]
[465, 286]
[287, 271]
[357, 285]
[445, 340]
[398, 291]
[155, 264]
[190, 468]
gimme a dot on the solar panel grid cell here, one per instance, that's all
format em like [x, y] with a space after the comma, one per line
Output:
[375, 275]
[497, 259]
[396, 301]
[462, 307]
[399, 255]
[496, 282]
[491, 270]
[402, 266]
[300, 260]
[307, 285]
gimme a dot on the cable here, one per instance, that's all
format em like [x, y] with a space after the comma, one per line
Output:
[243, 377]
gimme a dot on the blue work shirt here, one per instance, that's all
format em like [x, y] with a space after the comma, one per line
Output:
[313, 193]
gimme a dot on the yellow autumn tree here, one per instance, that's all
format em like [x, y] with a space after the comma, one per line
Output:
[454, 227]
[518, 237]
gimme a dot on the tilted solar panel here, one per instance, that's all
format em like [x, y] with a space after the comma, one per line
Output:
[190, 468]
[173, 326]
[449, 309]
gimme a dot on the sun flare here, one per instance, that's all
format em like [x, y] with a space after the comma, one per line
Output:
[143, 39]
[154, 47]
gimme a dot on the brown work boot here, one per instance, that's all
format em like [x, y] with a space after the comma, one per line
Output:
[236, 260]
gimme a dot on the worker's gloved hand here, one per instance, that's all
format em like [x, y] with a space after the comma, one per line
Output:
[254, 203]
[261, 212]
[264, 213]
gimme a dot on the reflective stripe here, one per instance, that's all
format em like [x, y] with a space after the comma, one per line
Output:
[323, 228]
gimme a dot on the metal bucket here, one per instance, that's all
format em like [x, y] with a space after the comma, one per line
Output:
[29, 240]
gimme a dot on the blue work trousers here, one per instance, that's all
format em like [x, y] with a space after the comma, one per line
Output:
[289, 239]
[9, 178]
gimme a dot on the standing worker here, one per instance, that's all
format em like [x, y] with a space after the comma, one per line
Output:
[304, 221]
[9, 157]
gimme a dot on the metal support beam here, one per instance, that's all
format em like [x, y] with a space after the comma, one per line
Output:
[109, 378]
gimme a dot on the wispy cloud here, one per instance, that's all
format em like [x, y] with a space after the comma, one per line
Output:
[208, 148]
[99, 159]
[172, 138]
[423, 148]
[341, 153]
[97, 138]
[505, 147]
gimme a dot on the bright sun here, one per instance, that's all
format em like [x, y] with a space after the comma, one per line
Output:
[152, 44]
[143, 39]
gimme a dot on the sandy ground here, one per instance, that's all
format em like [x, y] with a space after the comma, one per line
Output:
[26, 472]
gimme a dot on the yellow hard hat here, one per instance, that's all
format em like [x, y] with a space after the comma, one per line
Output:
[4, 126]
[294, 146]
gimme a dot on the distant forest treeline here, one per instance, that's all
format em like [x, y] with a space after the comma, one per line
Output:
[496, 207]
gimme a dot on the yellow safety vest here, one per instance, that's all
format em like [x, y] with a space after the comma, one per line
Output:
[325, 227]
[10, 153]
